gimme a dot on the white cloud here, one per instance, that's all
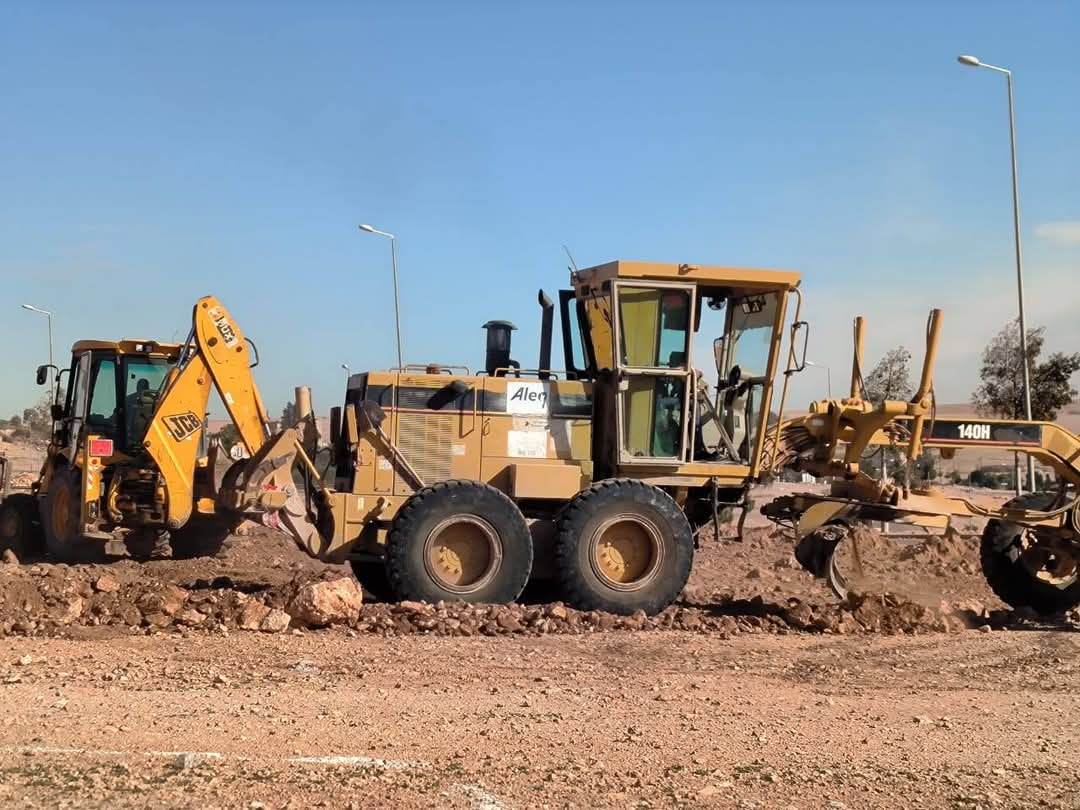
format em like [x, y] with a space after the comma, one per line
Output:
[1064, 233]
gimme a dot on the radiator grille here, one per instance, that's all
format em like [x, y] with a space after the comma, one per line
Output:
[425, 440]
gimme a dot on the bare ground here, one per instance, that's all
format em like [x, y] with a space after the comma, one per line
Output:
[757, 690]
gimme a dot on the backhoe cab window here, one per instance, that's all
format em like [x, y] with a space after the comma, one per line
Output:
[101, 418]
[655, 326]
[143, 378]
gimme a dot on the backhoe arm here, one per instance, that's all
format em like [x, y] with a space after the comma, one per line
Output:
[218, 353]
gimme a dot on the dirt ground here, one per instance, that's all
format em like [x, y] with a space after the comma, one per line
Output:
[133, 685]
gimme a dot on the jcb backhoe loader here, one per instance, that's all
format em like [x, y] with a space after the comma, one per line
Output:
[125, 465]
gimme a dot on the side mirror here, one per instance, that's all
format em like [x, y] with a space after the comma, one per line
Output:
[796, 327]
[718, 355]
[42, 374]
[370, 415]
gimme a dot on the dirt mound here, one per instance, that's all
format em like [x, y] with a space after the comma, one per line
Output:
[263, 583]
[59, 599]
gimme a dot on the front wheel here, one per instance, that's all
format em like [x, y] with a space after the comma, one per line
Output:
[459, 540]
[623, 546]
[1025, 570]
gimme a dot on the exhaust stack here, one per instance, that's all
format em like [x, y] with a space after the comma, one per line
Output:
[547, 319]
[497, 358]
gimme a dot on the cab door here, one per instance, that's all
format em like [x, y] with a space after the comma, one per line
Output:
[652, 355]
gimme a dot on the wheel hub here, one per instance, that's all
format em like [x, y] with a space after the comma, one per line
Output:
[1049, 562]
[626, 552]
[462, 553]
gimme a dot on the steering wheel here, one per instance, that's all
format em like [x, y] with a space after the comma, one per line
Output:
[734, 377]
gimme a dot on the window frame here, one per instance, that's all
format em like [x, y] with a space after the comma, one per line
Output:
[623, 370]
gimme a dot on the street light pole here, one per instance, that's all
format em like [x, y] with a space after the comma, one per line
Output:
[48, 316]
[972, 61]
[397, 309]
[828, 374]
[347, 372]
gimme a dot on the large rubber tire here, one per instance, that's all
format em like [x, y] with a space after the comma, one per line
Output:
[467, 525]
[623, 546]
[60, 516]
[20, 526]
[373, 579]
[1008, 576]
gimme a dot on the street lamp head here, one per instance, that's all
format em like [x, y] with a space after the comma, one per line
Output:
[344, 366]
[32, 308]
[367, 228]
[968, 60]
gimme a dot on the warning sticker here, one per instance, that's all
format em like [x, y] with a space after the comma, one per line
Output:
[527, 443]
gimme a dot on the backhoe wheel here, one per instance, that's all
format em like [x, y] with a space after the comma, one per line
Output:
[623, 546]
[61, 515]
[1024, 571]
[459, 540]
[20, 526]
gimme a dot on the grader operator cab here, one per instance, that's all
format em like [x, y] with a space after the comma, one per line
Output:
[452, 485]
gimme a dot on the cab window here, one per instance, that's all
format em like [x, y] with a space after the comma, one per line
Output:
[143, 378]
[101, 417]
[655, 327]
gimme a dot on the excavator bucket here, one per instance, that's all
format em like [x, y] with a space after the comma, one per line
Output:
[263, 488]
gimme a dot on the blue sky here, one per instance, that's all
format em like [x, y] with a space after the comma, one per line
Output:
[153, 153]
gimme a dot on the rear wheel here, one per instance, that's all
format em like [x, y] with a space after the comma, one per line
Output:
[459, 540]
[623, 546]
[61, 516]
[1027, 571]
[20, 526]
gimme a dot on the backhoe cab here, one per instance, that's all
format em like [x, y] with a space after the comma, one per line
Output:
[454, 485]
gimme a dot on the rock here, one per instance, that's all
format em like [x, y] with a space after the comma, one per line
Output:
[70, 610]
[188, 760]
[252, 615]
[336, 601]
[168, 600]
[755, 573]
[157, 619]
[276, 621]
[508, 622]
[557, 611]
[106, 584]
[129, 615]
[26, 661]
[190, 617]
[413, 607]
[10, 558]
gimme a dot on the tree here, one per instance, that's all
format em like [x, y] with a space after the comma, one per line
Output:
[1001, 392]
[227, 436]
[288, 416]
[34, 422]
[889, 379]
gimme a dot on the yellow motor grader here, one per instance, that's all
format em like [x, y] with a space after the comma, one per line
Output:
[1030, 547]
